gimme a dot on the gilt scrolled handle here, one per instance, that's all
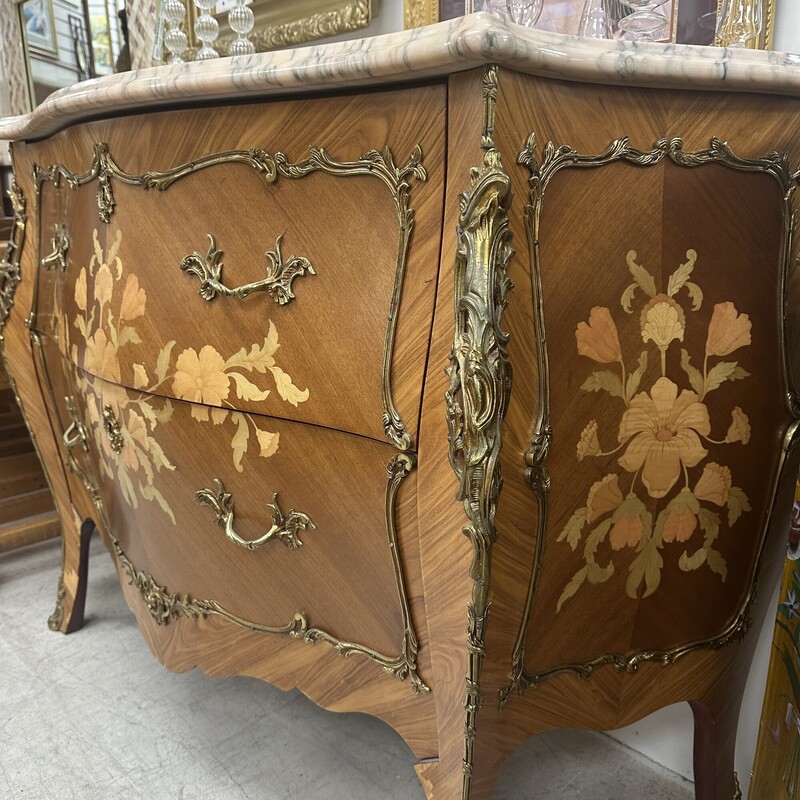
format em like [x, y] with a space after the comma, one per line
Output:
[277, 283]
[285, 527]
[75, 432]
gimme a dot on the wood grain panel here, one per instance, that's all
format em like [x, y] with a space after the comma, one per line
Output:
[346, 224]
[588, 119]
[444, 549]
[311, 473]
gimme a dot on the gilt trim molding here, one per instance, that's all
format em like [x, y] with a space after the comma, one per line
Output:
[479, 390]
[9, 266]
[542, 169]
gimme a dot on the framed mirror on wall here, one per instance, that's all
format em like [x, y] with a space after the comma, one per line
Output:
[766, 36]
[13, 66]
[39, 25]
[105, 30]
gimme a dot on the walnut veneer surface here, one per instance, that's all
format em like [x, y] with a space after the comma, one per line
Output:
[469, 404]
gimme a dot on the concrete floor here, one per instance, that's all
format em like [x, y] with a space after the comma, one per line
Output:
[93, 716]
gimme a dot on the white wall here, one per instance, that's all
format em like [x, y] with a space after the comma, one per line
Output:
[5, 110]
[666, 736]
[787, 26]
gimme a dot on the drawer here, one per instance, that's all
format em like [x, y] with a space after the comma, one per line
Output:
[305, 271]
[301, 542]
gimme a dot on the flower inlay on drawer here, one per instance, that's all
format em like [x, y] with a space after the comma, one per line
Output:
[106, 322]
[662, 431]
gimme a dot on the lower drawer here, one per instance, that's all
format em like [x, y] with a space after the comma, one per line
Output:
[286, 527]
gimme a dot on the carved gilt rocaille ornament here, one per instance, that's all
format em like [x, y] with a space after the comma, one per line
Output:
[420, 12]
[9, 266]
[285, 527]
[480, 386]
[350, 15]
[307, 20]
[554, 159]
[278, 283]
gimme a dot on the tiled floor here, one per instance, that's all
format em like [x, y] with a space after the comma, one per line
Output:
[93, 716]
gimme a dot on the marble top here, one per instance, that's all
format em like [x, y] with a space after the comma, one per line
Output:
[431, 51]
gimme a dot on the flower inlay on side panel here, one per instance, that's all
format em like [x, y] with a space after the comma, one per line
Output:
[661, 439]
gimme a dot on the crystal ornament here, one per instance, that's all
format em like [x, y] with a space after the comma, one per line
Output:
[175, 40]
[241, 20]
[206, 28]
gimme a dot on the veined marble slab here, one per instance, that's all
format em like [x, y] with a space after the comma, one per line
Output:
[434, 50]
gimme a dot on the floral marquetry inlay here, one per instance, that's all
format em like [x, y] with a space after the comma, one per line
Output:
[662, 437]
[110, 300]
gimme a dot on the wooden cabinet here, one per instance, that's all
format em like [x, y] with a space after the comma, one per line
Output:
[470, 404]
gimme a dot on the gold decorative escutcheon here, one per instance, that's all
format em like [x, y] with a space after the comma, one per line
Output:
[278, 282]
[285, 527]
[112, 429]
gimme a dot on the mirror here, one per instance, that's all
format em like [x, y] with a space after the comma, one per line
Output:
[69, 41]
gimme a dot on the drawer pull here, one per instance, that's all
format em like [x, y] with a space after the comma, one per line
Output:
[278, 283]
[57, 258]
[76, 432]
[285, 527]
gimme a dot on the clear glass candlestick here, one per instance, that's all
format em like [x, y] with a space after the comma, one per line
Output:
[175, 40]
[739, 22]
[241, 19]
[206, 28]
[523, 12]
[595, 22]
[645, 24]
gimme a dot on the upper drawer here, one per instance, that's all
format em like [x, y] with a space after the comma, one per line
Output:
[202, 241]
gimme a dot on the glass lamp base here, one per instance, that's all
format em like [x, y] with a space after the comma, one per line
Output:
[645, 25]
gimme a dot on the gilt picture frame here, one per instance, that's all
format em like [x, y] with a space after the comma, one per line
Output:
[38, 24]
[291, 23]
[427, 12]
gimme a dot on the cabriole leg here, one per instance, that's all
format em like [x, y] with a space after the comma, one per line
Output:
[71, 597]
